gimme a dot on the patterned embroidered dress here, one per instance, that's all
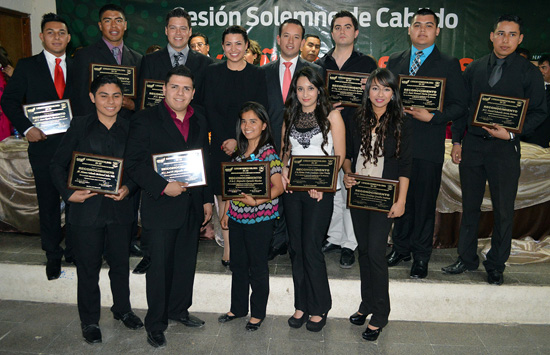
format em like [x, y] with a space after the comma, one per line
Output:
[246, 214]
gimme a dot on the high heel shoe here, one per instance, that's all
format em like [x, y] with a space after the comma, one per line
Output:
[226, 263]
[316, 326]
[297, 322]
[251, 327]
[357, 319]
[371, 334]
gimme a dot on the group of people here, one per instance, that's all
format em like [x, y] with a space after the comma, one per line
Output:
[267, 113]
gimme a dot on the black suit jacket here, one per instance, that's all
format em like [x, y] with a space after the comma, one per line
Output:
[541, 135]
[76, 140]
[98, 53]
[429, 137]
[275, 95]
[153, 132]
[156, 65]
[32, 83]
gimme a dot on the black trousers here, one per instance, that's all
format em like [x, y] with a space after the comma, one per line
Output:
[280, 232]
[49, 208]
[497, 162]
[308, 221]
[171, 275]
[249, 249]
[372, 229]
[413, 232]
[90, 244]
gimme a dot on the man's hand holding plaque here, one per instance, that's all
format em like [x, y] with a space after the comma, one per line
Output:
[184, 167]
[506, 112]
[94, 173]
[422, 92]
[48, 118]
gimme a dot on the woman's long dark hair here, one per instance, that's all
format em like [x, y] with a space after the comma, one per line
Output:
[294, 107]
[366, 118]
[265, 138]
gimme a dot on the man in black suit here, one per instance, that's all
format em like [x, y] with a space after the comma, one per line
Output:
[171, 214]
[178, 30]
[290, 39]
[101, 225]
[413, 232]
[110, 50]
[344, 30]
[40, 78]
[493, 153]
[541, 135]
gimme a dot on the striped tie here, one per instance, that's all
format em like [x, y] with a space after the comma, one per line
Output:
[416, 63]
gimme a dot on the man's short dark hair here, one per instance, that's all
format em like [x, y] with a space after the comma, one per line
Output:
[198, 34]
[310, 35]
[111, 7]
[544, 58]
[344, 13]
[510, 18]
[294, 22]
[178, 12]
[426, 12]
[180, 70]
[104, 79]
[51, 17]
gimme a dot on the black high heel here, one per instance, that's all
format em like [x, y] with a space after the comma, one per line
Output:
[297, 322]
[226, 263]
[358, 319]
[371, 334]
[317, 326]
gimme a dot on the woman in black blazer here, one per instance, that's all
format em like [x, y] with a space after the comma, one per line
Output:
[377, 145]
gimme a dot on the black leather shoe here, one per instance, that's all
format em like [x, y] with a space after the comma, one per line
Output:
[347, 258]
[394, 258]
[330, 248]
[143, 266]
[251, 327]
[419, 269]
[190, 321]
[495, 277]
[130, 320]
[156, 338]
[53, 269]
[371, 334]
[273, 252]
[457, 268]
[91, 333]
[135, 250]
[226, 263]
[357, 319]
[297, 322]
[316, 326]
[224, 318]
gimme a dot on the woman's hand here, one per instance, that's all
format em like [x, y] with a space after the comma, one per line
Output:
[229, 146]
[223, 221]
[247, 200]
[397, 210]
[314, 194]
[284, 178]
[349, 181]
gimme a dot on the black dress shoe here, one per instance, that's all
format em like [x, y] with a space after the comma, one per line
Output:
[347, 258]
[495, 277]
[273, 252]
[457, 268]
[130, 320]
[143, 266]
[330, 248]
[357, 319]
[316, 326]
[226, 263]
[156, 338]
[251, 327]
[419, 269]
[53, 269]
[394, 258]
[297, 322]
[190, 321]
[135, 250]
[371, 334]
[91, 333]
[224, 318]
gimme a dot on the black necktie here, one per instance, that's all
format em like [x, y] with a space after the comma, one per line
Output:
[496, 74]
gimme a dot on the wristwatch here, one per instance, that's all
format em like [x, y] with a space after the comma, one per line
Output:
[512, 137]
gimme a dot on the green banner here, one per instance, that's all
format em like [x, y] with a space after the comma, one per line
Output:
[465, 25]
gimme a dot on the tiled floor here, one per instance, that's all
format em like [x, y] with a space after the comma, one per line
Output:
[39, 328]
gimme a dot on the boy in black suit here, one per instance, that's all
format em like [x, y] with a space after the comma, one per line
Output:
[100, 224]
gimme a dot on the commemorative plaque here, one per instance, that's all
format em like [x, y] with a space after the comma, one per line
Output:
[346, 87]
[152, 93]
[508, 112]
[96, 173]
[252, 178]
[313, 172]
[126, 74]
[373, 194]
[50, 117]
[422, 92]
[185, 166]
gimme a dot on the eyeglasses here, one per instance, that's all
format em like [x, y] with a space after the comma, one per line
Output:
[197, 45]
